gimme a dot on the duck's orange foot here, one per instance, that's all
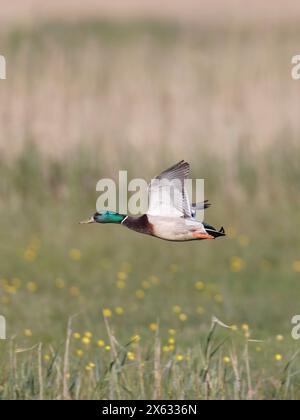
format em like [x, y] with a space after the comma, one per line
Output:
[200, 235]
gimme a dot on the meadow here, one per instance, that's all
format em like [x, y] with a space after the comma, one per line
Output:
[98, 312]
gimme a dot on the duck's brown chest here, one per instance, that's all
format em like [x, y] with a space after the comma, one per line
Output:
[139, 224]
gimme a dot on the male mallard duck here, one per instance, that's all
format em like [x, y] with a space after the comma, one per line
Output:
[171, 219]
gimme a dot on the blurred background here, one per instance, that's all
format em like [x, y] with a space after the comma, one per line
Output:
[95, 87]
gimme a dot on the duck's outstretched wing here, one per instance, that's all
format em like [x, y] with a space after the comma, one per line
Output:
[167, 193]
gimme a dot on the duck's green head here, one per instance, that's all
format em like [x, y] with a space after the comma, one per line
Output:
[105, 217]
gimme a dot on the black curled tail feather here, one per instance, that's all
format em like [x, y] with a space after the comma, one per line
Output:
[216, 233]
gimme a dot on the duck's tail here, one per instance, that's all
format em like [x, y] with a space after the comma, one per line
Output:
[199, 206]
[213, 232]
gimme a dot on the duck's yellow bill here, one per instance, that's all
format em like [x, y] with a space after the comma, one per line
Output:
[85, 222]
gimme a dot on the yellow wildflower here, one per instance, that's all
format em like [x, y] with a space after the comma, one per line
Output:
[296, 266]
[140, 294]
[119, 310]
[237, 264]
[107, 313]
[153, 326]
[86, 340]
[28, 332]
[176, 309]
[130, 355]
[75, 254]
[12, 290]
[74, 291]
[218, 298]
[79, 352]
[279, 337]
[30, 254]
[146, 284]
[122, 275]
[200, 310]
[199, 285]
[16, 282]
[154, 280]
[100, 343]
[183, 317]
[31, 286]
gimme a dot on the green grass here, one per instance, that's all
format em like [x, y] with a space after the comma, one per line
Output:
[44, 282]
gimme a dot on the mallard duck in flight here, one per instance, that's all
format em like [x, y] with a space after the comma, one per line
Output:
[172, 219]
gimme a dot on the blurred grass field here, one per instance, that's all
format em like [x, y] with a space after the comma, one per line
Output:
[85, 100]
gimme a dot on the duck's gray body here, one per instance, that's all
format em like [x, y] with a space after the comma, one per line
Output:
[169, 228]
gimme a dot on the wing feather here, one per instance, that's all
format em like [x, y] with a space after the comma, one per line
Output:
[167, 192]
